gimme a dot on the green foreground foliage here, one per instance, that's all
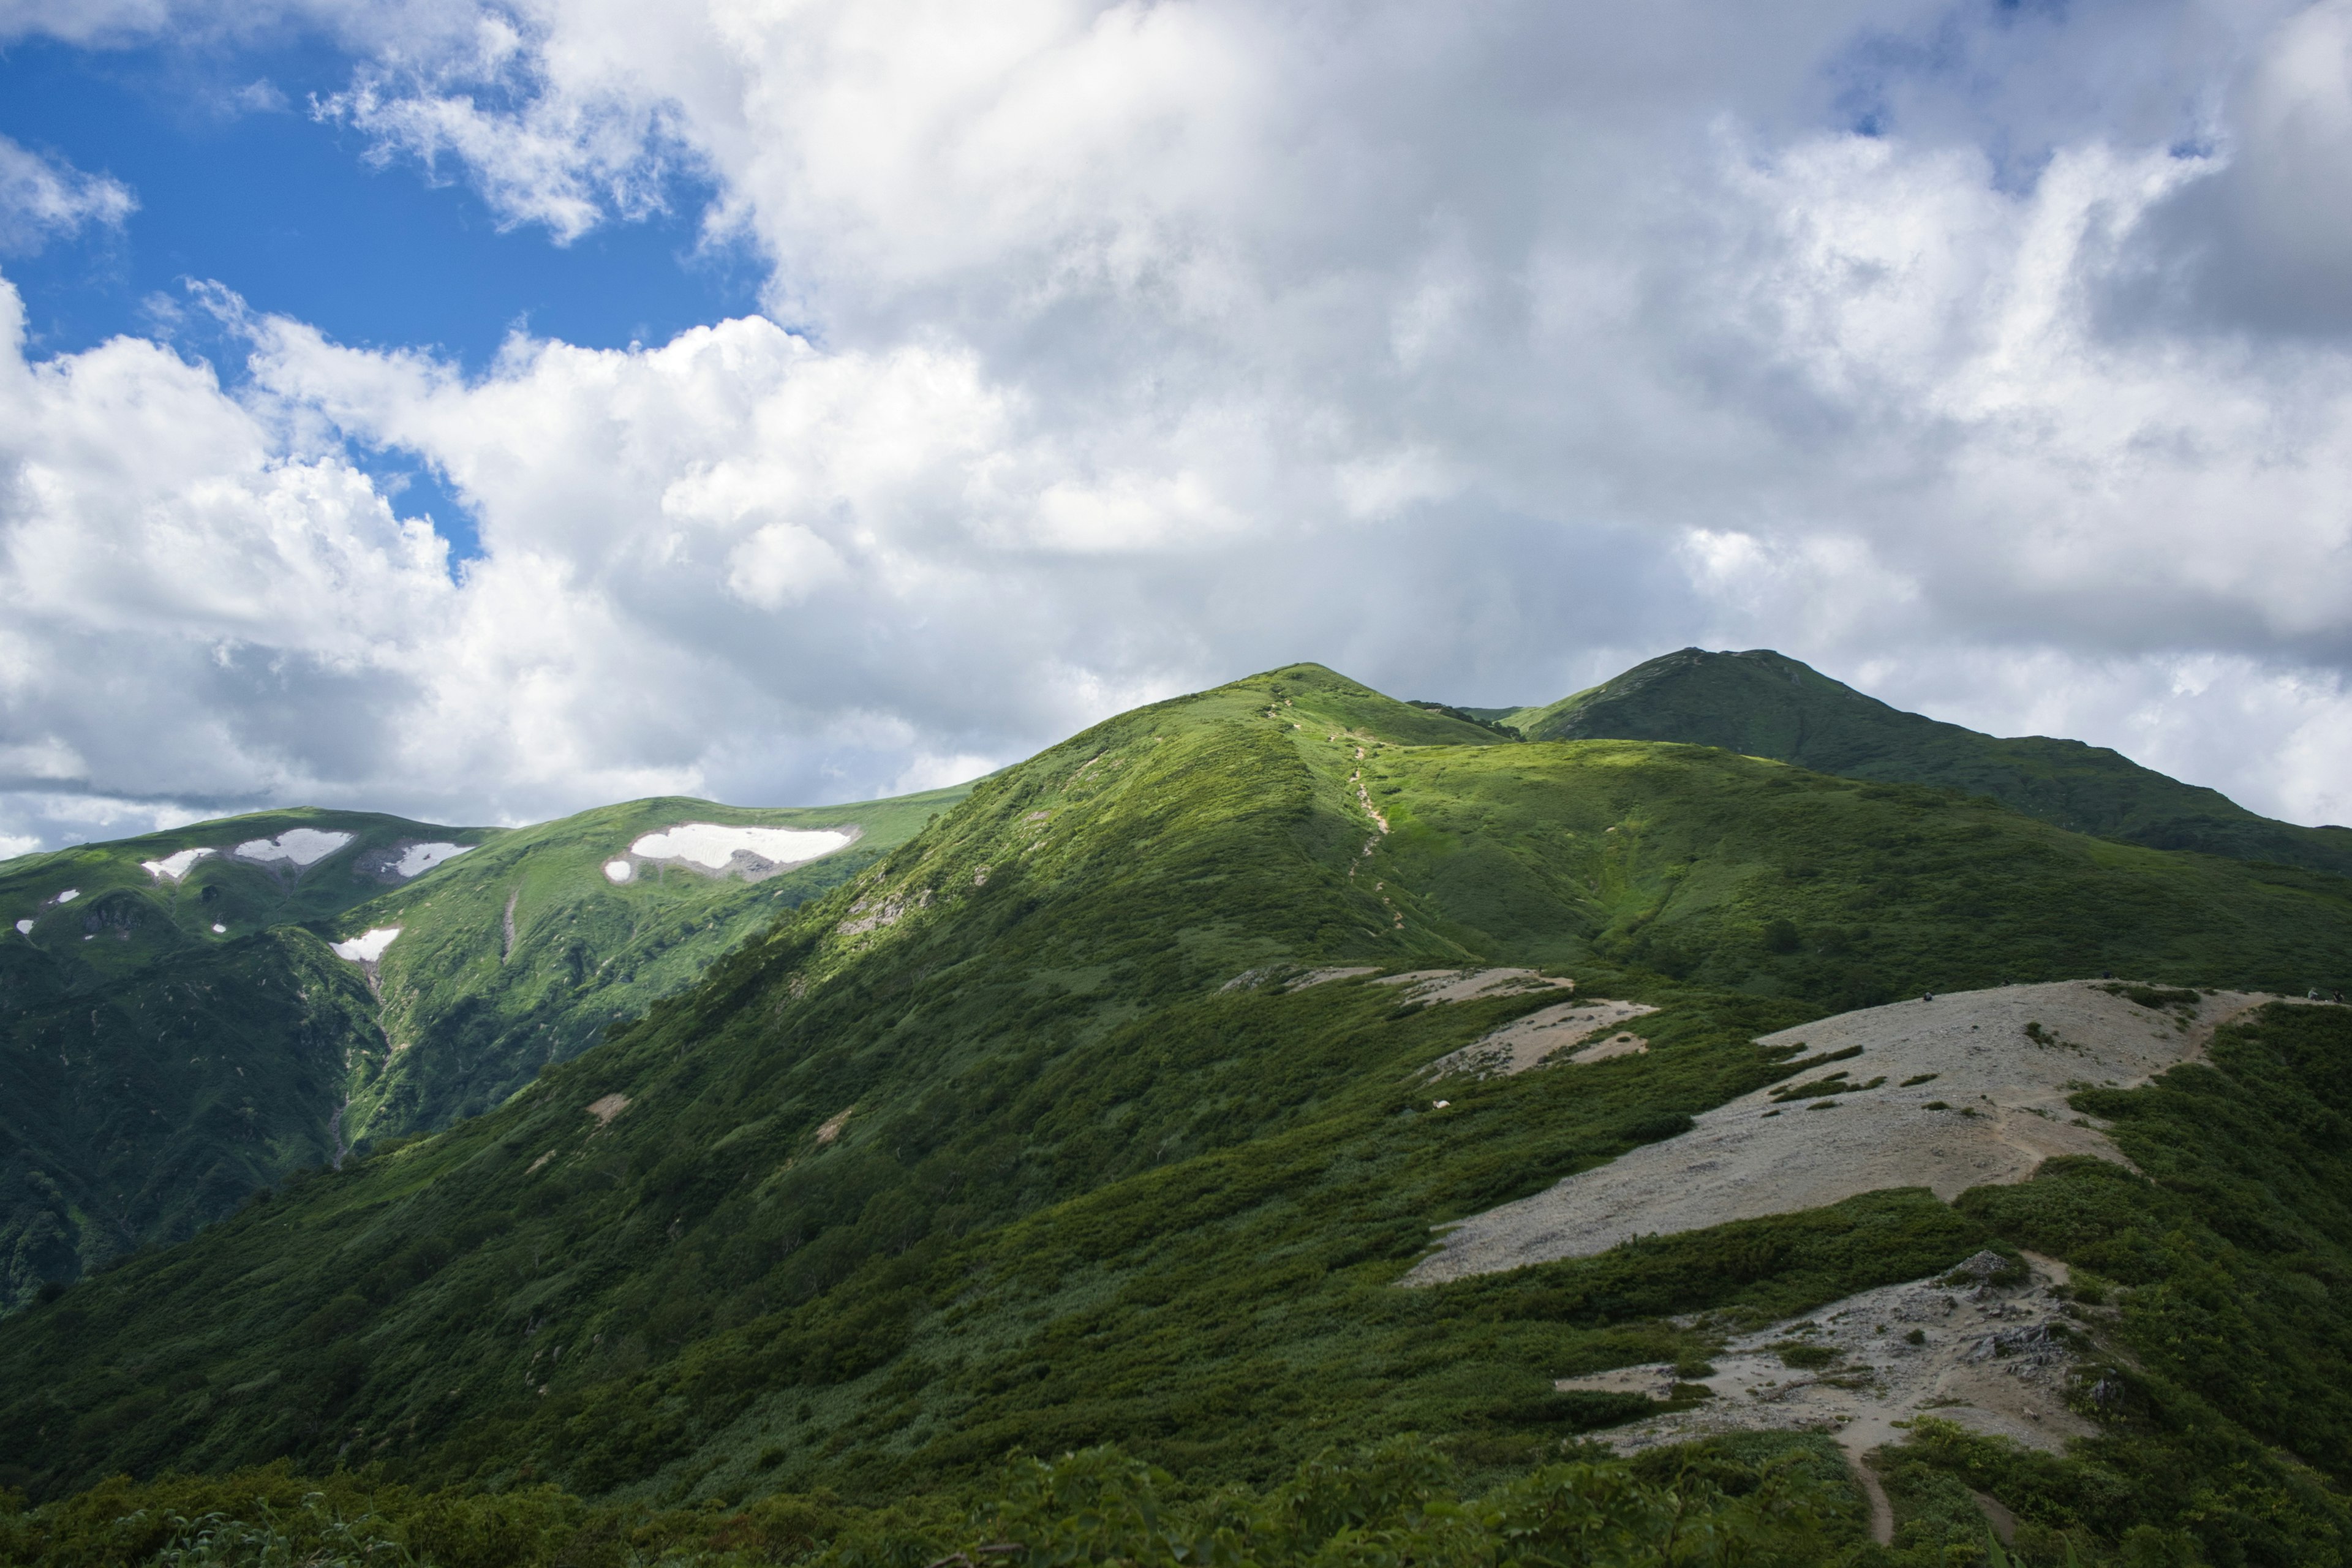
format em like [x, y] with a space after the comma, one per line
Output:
[1024, 1140]
[1786, 1502]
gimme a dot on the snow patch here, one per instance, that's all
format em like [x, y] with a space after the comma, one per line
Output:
[24, 928]
[367, 948]
[305, 847]
[419, 858]
[708, 844]
[618, 870]
[220, 930]
[172, 868]
[68, 895]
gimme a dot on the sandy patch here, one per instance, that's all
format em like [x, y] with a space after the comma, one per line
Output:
[833, 1126]
[605, 1110]
[368, 947]
[1336, 971]
[172, 868]
[751, 853]
[877, 910]
[1435, 985]
[302, 848]
[1995, 1359]
[1542, 1034]
[1947, 1094]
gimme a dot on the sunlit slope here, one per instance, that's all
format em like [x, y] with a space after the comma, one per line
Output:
[1765, 704]
[1018, 1138]
[1727, 870]
[523, 953]
[170, 1042]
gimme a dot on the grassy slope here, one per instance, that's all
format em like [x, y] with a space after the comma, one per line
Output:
[1082, 1191]
[155, 1072]
[476, 1018]
[1767, 705]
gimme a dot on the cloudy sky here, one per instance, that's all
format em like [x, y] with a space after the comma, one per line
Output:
[485, 411]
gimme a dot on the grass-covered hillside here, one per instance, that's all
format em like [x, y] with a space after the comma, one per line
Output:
[179, 1032]
[1022, 1140]
[1765, 704]
[525, 952]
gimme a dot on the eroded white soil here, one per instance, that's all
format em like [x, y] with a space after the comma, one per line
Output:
[1545, 1034]
[1947, 1094]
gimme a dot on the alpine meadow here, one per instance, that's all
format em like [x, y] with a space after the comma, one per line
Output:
[1715, 1118]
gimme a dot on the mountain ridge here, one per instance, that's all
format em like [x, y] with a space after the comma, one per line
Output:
[1034, 1133]
[1763, 703]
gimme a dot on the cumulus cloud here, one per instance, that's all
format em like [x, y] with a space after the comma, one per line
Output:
[1983, 356]
[42, 198]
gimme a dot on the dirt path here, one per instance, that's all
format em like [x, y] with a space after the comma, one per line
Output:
[1966, 1089]
[1993, 1358]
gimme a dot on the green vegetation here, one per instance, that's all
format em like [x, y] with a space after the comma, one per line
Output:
[1021, 1140]
[155, 1072]
[1765, 704]
[1759, 1503]
[153, 1069]
[525, 952]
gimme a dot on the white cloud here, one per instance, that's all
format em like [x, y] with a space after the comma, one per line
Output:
[1475, 352]
[42, 198]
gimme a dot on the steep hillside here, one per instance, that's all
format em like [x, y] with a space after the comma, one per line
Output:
[524, 953]
[180, 1030]
[171, 1035]
[1098, 1111]
[1764, 704]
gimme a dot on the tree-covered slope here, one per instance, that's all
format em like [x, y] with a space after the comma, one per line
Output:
[1765, 704]
[1022, 1137]
[180, 1032]
[172, 1037]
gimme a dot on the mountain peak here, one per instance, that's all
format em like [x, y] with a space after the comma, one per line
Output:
[1762, 703]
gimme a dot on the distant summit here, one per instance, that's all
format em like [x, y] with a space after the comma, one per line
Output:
[1765, 704]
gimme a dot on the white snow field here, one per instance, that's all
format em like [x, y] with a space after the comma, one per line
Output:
[305, 847]
[24, 928]
[708, 845]
[619, 870]
[172, 868]
[220, 930]
[368, 947]
[419, 858]
[69, 895]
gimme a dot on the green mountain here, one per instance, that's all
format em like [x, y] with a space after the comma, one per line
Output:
[177, 1031]
[1765, 704]
[1052, 1126]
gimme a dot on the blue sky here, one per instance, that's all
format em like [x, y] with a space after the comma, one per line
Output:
[240, 184]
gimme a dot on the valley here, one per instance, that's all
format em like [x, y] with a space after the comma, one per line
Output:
[215, 1008]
